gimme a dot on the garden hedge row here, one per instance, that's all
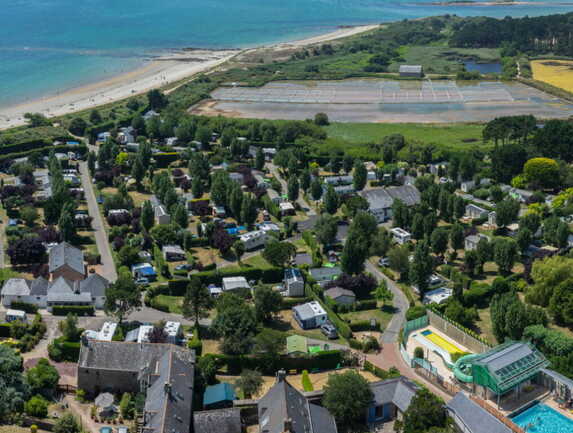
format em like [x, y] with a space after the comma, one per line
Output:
[78, 310]
[62, 350]
[363, 325]
[24, 306]
[381, 373]
[326, 360]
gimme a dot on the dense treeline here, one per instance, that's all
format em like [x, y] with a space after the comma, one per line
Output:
[539, 35]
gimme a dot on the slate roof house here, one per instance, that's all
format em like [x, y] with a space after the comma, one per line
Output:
[469, 417]
[310, 315]
[284, 409]
[382, 199]
[340, 295]
[391, 399]
[66, 261]
[293, 282]
[218, 421]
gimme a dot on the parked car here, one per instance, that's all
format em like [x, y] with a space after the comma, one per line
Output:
[142, 281]
[184, 267]
[329, 330]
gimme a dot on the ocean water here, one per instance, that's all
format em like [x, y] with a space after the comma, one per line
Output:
[48, 46]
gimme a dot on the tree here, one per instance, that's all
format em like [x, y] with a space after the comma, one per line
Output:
[197, 300]
[542, 172]
[207, 366]
[279, 253]
[316, 189]
[347, 163]
[426, 410]
[239, 249]
[293, 188]
[37, 119]
[399, 260]
[250, 382]
[29, 214]
[506, 212]
[156, 100]
[37, 406]
[471, 260]
[67, 226]
[400, 214]
[346, 396]
[305, 180]
[267, 303]
[504, 251]
[95, 117]
[270, 343]
[138, 170]
[484, 251]
[180, 216]
[67, 423]
[249, 210]
[330, 200]
[382, 293]
[439, 241]
[360, 175]
[123, 296]
[457, 237]
[321, 119]
[147, 216]
[78, 126]
[203, 135]
[353, 255]
[524, 238]
[458, 313]
[259, 159]
[197, 187]
[69, 328]
[421, 267]
[126, 406]
[236, 324]
[561, 304]
[26, 251]
[128, 256]
[43, 378]
[418, 226]
[164, 234]
[326, 229]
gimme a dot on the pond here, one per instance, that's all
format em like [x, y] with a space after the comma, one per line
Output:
[483, 68]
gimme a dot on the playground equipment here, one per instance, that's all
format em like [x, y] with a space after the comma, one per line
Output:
[463, 368]
[442, 342]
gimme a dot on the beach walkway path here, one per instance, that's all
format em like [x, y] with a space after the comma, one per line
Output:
[108, 265]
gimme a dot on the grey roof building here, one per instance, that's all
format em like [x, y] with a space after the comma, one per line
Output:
[94, 284]
[398, 391]
[64, 291]
[65, 255]
[324, 275]
[411, 71]
[218, 421]
[380, 200]
[169, 401]
[471, 418]
[284, 409]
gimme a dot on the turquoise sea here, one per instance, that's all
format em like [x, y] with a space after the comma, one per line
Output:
[48, 46]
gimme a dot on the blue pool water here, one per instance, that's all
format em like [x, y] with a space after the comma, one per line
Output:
[426, 333]
[542, 419]
[47, 46]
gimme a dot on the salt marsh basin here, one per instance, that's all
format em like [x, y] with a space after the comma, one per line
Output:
[371, 100]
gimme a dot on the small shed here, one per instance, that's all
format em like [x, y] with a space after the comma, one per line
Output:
[219, 396]
[340, 295]
[234, 283]
[415, 71]
[296, 345]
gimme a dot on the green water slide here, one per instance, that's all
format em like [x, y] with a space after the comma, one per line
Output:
[463, 368]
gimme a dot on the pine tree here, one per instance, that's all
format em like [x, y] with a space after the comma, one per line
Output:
[147, 216]
[293, 189]
[316, 189]
[259, 159]
[360, 175]
[331, 202]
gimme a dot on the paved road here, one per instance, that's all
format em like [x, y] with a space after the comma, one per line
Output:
[108, 265]
[401, 304]
[301, 201]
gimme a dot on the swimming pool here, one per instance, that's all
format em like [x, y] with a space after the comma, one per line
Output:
[543, 419]
[441, 342]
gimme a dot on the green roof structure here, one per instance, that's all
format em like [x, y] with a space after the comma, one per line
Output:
[507, 365]
[296, 344]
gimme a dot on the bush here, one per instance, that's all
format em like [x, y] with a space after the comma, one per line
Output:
[368, 304]
[415, 312]
[61, 350]
[5, 329]
[306, 383]
[371, 345]
[195, 343]
[379, 372]
[24, 306]
[419, 352]
[37, 406]
[478, 295]
[78, 310]
[363, 325]
[355, 344]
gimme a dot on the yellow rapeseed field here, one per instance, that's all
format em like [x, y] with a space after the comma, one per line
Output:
[558, 73]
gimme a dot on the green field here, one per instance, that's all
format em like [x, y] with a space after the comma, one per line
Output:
[355, 137]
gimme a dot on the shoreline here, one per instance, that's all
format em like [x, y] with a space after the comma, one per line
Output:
[156, 73]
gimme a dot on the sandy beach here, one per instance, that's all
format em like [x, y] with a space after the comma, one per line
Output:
[154, 74]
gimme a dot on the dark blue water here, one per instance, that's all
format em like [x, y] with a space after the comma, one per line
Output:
[483, 68]
[47, 46]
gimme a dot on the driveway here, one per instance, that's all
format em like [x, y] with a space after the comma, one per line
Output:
[108, 266]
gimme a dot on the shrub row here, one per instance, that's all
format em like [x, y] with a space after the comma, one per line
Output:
[367, 304]
[415, 312]
[78, 310]
[288, 303]
[363, 325]
[381, 373]
[62, 350]
[24, 306]
[195, 343]
[326, 360]
[45, 150]
[478, 295]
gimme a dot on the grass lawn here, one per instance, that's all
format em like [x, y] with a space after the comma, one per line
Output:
[483, 325]
[172, 302]
[256, 262]
[382, 316]
[353, 136]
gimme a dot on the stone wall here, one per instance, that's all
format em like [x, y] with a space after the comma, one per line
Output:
[94, 381]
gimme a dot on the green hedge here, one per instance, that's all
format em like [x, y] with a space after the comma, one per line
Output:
[355, 344]
[326, 360]
[163, 159]
[363, 325]
[415, 312]
[288, 303]
[381, 373]
[478, 295]
[78, 310]
[5, 330]
[45, 151]
[31, 145]
[367, 304]
[306, 383]
[24, 306]
[195, 343]
[62, 350]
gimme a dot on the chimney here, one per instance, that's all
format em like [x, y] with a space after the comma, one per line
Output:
[288, 426]
[281, 375]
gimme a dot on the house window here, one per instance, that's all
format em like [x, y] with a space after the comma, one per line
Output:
[379, 412]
